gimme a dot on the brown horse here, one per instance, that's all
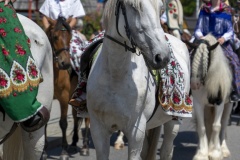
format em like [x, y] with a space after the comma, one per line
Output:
[59, 34]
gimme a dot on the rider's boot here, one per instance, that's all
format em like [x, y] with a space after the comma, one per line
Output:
[78, 100]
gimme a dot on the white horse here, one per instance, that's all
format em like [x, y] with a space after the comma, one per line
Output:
[121, 90]
[23, 145]
[211, 85]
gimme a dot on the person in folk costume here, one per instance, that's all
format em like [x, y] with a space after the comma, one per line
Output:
[19, 75]
[72, 9]
[173, 17]
[215, 18]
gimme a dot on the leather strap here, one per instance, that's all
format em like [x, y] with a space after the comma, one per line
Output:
[14, 127]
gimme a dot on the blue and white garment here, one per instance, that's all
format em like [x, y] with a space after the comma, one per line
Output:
[219, 23]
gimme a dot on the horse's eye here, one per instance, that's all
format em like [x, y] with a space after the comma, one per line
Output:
[55, 38]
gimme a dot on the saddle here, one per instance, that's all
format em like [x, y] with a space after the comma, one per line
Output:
[87, 57]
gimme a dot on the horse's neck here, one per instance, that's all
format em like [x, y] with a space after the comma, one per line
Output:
[120, 62]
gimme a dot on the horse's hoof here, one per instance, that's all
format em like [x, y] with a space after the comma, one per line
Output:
[200, 156]
[119, 146]
[215, 155]
[84, 152]
[64, 157]
[225, 152]
[44, 156]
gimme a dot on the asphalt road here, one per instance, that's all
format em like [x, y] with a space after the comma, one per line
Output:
[185, 143]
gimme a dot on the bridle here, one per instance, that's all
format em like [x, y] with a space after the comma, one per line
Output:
[56, 52]
[132, 49]
[120, 5]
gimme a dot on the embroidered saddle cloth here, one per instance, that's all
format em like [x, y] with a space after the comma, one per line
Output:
[19, 75]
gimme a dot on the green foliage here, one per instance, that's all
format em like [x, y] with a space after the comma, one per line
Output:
[91, 24]
[189, 7]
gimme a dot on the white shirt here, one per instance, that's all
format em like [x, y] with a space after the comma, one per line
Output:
[65, 8]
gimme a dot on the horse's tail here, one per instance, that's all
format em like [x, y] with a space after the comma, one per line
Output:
[152, 137]
[13, 146]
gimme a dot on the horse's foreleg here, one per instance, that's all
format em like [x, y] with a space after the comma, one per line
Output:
[101, 139]
[77, 123]
[202, 151]
[63, 124]
[33, 143]
[150, 144]
[85, 149]
[135, 138]
[215, 152]
[171, 129]
[224, 123]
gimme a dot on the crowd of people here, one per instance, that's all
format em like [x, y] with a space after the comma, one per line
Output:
[215, 17]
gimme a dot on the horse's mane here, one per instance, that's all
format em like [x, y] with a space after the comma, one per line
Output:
[219, 75]
[111, 5]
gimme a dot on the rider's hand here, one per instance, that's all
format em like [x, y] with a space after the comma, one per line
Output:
[7, 1]
[221, 40]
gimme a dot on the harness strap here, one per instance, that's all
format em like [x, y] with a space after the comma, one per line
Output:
[127, 48]
[14, 127]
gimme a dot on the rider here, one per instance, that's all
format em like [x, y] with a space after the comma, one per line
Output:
[215, 18]
[173, 17]
[53, 9]
[19, 75]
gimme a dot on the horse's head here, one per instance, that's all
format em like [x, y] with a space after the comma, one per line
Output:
[200, 60]
[59, 34]
[138, 22]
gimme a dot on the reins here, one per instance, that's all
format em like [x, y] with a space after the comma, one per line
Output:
[14, 127]
[120, 5]
[132, 49]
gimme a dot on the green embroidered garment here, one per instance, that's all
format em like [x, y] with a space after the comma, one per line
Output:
[19, 75]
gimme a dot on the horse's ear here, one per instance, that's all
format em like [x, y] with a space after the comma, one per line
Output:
[191, 45]
[212, 47]
[69, 20]
[51, 21]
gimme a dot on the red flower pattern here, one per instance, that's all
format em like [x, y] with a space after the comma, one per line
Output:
[17, 30]
[5, 51]
[19, 76]
[20, 50]
[3, 82]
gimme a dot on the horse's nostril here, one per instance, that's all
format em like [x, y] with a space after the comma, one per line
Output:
[158, 58]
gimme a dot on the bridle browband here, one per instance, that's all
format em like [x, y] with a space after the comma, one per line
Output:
[132, 49]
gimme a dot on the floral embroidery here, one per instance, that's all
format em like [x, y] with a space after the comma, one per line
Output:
[18, 77]
[1, 10]
[172, 96]
[29, 42]
[20, 50]
[33, 72]
[3, 32]
[5, 83]
[5, 51]
[17, 30]
[3, 20]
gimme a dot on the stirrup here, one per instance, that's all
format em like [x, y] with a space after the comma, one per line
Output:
[82, 111]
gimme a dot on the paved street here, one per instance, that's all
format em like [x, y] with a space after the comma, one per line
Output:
[184, 145]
